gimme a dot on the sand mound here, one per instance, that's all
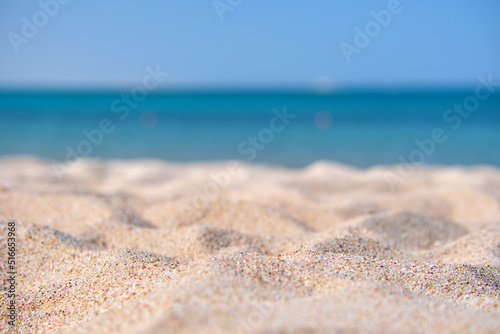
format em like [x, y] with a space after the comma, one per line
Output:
[141, 247]
[356, 246]
[481, 248]
[412, 230]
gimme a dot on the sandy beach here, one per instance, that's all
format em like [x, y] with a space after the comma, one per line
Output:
[146, 246]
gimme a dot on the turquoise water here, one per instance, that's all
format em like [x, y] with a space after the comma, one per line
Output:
[361, 128]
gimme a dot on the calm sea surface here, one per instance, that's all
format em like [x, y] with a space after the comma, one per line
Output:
[361, 128]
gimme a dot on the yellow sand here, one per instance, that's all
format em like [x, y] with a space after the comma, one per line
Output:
[155, 247]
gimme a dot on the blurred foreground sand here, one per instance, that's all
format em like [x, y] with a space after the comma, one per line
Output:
[156, 247]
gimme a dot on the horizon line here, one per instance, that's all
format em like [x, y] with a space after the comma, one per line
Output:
[394, 89]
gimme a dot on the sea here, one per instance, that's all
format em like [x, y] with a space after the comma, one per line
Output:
[291, 128]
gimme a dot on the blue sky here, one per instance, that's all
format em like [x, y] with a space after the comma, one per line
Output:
[267, 43]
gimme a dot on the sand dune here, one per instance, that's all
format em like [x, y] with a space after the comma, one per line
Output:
[156, 247]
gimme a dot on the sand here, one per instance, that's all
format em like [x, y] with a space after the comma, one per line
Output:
[148, 246]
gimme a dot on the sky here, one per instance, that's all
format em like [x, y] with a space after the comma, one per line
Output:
[93, 44]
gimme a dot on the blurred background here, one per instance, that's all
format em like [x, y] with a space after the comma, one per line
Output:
[362, 83]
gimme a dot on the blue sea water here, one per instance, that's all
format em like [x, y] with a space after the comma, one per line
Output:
[360, 128]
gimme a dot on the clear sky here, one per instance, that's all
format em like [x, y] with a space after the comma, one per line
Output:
[271, 43]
